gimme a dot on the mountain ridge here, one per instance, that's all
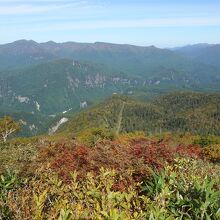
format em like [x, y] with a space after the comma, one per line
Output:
[174, 112]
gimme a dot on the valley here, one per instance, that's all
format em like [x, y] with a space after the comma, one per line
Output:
[34, 74]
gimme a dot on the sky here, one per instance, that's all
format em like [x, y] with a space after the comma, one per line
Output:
[163, 23]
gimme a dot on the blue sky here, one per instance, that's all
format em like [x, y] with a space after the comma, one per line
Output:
[163, 23]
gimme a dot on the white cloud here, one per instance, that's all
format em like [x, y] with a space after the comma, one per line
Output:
[139, 23]
[31, 8]
[22, 9]
[39, 1]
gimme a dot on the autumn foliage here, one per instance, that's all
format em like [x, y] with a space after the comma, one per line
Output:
[132, 177]
[138, 155]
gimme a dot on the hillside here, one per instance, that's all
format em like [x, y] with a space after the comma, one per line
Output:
[31, 123]
[93, 169]
[203, 53]
[22, 53]
[50, 79]
[149, 62]
[36, 87]
[124, 177]
[173, 112]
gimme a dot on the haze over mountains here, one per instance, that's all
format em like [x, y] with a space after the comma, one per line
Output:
[38, 80]
[206, 53]
[26, 52]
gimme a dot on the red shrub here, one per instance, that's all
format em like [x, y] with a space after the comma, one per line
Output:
[190, 151]
[154, 154]
[69, 159]
[138, 155]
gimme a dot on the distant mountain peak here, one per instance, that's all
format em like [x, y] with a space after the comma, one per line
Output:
[49, 43]
[23, 41]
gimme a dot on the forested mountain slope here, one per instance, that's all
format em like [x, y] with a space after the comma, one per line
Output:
[186, 112]
[204, 53]
[59, 85]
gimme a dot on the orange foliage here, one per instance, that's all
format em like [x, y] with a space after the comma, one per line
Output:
[138, 155]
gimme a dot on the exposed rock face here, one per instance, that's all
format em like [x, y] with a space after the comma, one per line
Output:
[37, 106]
[56, 127]
[23, 122]
[32, 127]
[22, 99]
[83, 105]
[95, 81]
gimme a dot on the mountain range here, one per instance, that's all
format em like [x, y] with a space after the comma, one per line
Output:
[50, 80]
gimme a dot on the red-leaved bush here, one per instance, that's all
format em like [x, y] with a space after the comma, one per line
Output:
[190, 151]
[138, 155]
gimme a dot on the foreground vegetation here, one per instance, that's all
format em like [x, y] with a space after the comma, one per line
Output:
[168, 176]
[177, 191]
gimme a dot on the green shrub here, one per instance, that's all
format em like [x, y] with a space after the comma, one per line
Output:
[205, 141]
[188, 194]
[91, 136]
[212, 153]
[8, 182]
